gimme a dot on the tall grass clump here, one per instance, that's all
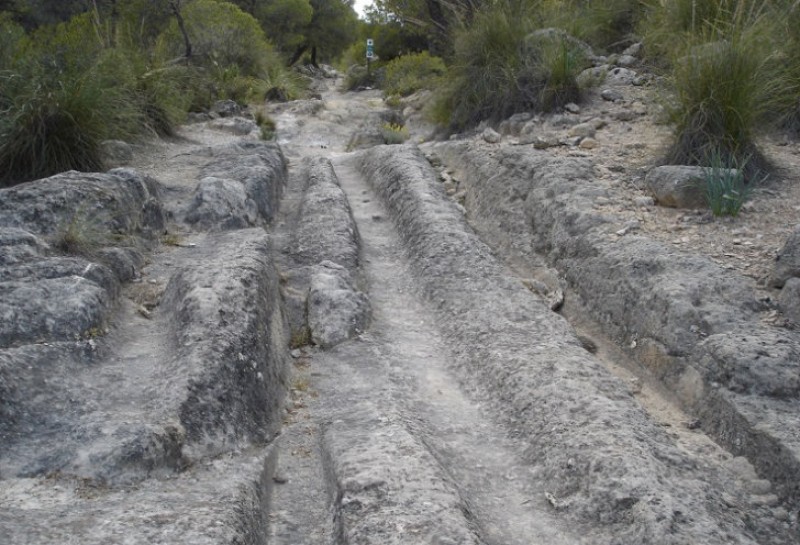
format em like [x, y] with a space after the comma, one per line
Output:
[727, 82]
[501, 66]
[50, 128]
[410, 73]
[790, 113]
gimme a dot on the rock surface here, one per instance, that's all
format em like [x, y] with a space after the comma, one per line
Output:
[787, 262]
[678, 186]
[139, 387]
[337, 311]
[692, 322]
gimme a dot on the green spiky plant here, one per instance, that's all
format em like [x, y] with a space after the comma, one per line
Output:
[727, 81]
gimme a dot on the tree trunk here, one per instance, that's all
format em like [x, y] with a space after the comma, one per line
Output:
[297, 54]
[314, 56]
[175, 6]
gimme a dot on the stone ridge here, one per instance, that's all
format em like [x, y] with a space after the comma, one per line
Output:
[602, 461]
[692, 323]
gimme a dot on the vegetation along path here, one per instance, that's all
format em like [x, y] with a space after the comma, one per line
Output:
[434, 393]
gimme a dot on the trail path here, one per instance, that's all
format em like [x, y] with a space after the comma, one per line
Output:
[388, 441]
[466, 412]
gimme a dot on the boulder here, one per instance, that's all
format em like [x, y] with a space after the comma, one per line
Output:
[336, 309]
[611, 95]
[235, 125]
[226, 108]
[240, 188]
[678, 186]
[583, 130]
[789, 299]
[491, 136]
[787, 262]
[514, 124]
[221, 204]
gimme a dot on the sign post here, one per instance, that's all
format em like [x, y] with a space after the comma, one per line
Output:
[370, 53]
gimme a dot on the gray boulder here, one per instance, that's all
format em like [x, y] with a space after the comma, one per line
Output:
[491, 136]
[221, 204]
[677, 186]
[337, 311]
[240, 188]
[787, 262]
[789, 300]
[226, 108]
[106, 219]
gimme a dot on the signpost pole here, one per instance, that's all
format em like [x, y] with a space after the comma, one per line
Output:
[370, 54]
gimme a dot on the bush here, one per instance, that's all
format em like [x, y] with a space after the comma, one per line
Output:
[53, 129]
[502, 67]
[393, 133]
[410, 73]
[725, 86]
[222, 35]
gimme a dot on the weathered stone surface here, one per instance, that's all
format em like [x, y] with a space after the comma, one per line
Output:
[787, 262]
[678, 186]
[789, 299]
[101, 216]
[226, 108]
[337, 311]
[600, 456]
[224, 501]
[102, 207]
[693, 322]
[18, 245]
[491, 136]
[240, 188]
[325, 230]
[322, 231]
[222, 204]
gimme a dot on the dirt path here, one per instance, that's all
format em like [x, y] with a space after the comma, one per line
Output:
[467, 412]
[387, 437]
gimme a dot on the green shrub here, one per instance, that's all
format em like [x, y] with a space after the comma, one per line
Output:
[393, 133]
[222, 35]
[723, 90]
[53, 129]
[501, 67]
[410, 73]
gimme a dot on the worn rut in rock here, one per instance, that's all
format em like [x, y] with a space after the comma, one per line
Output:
[433, 396]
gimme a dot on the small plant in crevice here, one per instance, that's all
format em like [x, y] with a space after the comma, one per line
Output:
[394, 133]
[726, 189]
[266, 124]
[80, 236]
[300, 337]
